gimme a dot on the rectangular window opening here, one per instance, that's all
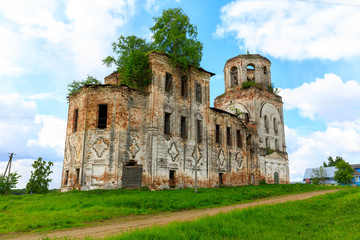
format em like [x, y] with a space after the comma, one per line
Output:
[228, 136]
[66, 177]
[167, 123]
[102, 118]
[198, 92]
[199, 130]
[78, 175]
[183, 128]
[221, 182]
[172, 181]
[217, 134]
[238, 137]
[76, 115]
[183, 87]
[168, 82]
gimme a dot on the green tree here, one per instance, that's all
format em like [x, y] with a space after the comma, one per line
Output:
[77, 85]
[318, 176]
[39, 181]
[8, 182]
[131, 61]
[344, 172]
[332, 162]
[176, 36]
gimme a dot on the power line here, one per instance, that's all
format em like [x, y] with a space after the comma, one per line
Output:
[340, 4]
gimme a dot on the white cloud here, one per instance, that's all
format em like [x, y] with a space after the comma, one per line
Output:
[314, 149]
[328, 99]
[51, 135]
[292, 29]
[80, 31]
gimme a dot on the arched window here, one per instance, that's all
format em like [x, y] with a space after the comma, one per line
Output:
[265, 70]
[267, 143]
[250, 72]
[246, 118]
[275, 125]
[266, 123]
[234, 76]
[276, 144]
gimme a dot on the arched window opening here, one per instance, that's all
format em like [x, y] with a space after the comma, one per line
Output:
[247, 118]
[265, 70]
[234, 76]
[266, 122]
[275, 126]
[276, 144]
[250, 72]
[267, 143]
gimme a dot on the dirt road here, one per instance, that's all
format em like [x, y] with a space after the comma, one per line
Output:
[123, 224]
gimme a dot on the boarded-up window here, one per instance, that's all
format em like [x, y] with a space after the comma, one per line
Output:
[199, 130]
[168, 82]
[167, 123]
[78, 175]
[76, 115]
[217, 133]
[238, 139]
[228, 136]
[198, 92]
[183, 128]
[102, 118]
[183, 87]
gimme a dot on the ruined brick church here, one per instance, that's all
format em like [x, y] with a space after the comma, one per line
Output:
[119, 137]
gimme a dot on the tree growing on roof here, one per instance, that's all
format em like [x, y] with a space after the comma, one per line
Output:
[176, 36]
[344, 172]
[75, 86]
[131, 61]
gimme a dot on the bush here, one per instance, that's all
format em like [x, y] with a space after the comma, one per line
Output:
[247, 84]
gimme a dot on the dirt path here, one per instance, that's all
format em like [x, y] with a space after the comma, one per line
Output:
[123, 224]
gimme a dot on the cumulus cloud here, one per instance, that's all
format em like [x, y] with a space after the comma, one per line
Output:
[78, 31]
[29, 135]
[312, 150]
[329, 99]
[292, 29]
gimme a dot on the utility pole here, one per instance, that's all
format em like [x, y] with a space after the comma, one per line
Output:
[7, 170]
[196, 162]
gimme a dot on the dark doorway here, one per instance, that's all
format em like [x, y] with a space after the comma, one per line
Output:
[276, 177]
[172, 182]
[221, 182]
[252, 179]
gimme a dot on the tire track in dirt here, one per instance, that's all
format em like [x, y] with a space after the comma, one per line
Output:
[119, 225]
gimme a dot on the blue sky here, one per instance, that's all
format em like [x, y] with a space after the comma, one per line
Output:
[314, 49]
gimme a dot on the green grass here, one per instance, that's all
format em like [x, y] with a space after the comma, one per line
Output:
[330, 216]
[44, 212]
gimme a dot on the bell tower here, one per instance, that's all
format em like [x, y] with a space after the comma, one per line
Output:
[250, 95]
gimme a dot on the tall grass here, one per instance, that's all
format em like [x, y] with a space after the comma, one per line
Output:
[64, 210]
[330, 216]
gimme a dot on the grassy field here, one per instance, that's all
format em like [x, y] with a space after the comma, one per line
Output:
[64, 210]
[330, 216]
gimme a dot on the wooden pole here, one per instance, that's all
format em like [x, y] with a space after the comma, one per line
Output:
[8, 166]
